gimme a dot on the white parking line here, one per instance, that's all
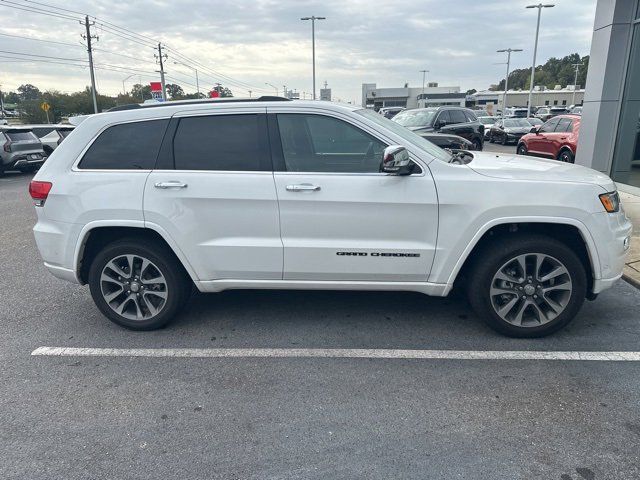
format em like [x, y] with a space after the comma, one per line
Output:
[337, 353]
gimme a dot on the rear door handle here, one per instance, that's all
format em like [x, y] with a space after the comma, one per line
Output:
[171, 184]
[303, 187]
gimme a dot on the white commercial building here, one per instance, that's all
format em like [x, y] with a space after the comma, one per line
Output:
[411, 97]
[493, 99]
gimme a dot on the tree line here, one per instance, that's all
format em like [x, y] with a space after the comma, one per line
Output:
[556, 71]
[28, 99]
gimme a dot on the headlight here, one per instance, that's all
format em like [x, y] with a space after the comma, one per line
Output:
[610, 201]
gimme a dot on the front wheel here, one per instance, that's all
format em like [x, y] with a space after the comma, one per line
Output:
[528, 286]
[491, 140]
[477, 144]
[138, 285]
[522, 149]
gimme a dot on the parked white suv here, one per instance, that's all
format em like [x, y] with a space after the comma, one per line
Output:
[143, 203]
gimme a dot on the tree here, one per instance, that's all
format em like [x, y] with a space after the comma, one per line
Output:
[28, 92]
[471, 92]
[556, 71]
[141, 92]
[174, 91]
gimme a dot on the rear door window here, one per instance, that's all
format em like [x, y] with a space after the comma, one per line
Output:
[223, 143]
[550, 126]
[127, 146]
[471, 117]
[564, 125]
[444, 118]
[457, 116]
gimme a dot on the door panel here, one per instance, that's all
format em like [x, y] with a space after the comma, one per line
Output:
[352, 223]
[219, 204]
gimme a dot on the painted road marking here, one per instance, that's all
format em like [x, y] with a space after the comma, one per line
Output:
[337, 353]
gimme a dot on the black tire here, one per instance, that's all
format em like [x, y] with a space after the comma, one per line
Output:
[566, 156]
[503, 140]
[491, 140]
[494, 256]
[178, 283]
[522, 149]
[477, 144]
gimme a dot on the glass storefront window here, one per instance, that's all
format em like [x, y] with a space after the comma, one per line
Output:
[626, 157]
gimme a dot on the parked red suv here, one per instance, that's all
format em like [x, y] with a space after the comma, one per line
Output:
[557, 138]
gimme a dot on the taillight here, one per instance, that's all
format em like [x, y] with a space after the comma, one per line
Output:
[39, 191]
[7, 146]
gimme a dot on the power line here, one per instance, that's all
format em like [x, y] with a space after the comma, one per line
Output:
[122, 55]
[42, 56]
[40, 40]
[25, 8]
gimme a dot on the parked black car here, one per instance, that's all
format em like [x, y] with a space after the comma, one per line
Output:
[447, 119]
[509, 130]
[448, 140]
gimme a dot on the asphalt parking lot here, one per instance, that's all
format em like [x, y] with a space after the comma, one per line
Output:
[80, 417]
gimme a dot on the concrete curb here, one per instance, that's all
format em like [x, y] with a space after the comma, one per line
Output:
[631, 281]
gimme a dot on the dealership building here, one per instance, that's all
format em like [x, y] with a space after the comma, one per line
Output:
[410, 97]
[610, 127]
[493, 100]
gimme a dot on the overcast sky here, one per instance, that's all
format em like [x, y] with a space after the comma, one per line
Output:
[253, 42]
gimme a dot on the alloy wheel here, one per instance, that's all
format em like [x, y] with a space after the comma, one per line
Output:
[531, 290]
[134, 287]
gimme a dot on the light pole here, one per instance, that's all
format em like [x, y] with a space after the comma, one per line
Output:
[540, 6]
[506, 80]
[272, 86]
[313, 19]
[124, 91]
[424, 74]
[575, 81]
[195, 70]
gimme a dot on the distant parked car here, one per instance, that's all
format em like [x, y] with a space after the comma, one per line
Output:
[487, 122]
[21, 149]
[509, 130]
[51, 140]
[514, 112]
[390, 112]
[447, 140]
[480, 112]
[577, 110]
[556, 138]
[546, 113]
[447, 119]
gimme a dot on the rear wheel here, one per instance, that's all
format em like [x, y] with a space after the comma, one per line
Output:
[522, 149]
[140, 286]
[566, 156]
[528, 286]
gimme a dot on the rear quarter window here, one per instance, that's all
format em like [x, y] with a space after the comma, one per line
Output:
[128, 146]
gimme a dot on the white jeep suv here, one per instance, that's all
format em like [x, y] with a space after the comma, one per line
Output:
[144, 203]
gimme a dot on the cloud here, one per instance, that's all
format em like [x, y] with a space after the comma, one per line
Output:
[244, 44]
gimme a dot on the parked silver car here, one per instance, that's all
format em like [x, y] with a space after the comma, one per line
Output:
[21, 149]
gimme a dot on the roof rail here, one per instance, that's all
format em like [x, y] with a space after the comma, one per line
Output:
[134, 106]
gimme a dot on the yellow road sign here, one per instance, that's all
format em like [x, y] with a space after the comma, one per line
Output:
[45, 106]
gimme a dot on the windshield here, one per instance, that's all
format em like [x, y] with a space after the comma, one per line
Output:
[22, 136]
[534, 121]
[515, 123]
[415, 118]
[406, 134]
[487, 120]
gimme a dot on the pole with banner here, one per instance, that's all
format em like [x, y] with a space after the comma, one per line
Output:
[46, 107]
[156, 91]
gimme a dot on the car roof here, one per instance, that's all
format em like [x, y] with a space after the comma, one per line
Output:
[48, 125]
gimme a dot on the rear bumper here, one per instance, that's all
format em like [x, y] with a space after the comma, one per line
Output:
[56, 242]
[22, 161]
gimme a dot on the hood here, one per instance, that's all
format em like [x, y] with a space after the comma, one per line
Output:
[518, 167]
[424, 128]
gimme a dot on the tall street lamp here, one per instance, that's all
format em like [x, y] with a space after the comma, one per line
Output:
[272, 86]
[313, 19]
[424, 74]
[575, 81]
[506, 80]
[195, 70]
[540, 6]
[124, 91]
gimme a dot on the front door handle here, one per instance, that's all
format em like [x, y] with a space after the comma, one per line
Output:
[303, 187]
[171, 184]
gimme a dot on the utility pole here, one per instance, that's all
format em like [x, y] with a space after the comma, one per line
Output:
[284, 91]
[249, 93]
[313, 19]
[424, 74]
[88, 37]
[506, 80]
[1, 104]
[161, 57]
[575, 81]
[540, 6]
[272, 86]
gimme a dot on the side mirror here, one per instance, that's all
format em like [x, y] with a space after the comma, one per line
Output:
[395, 160]
[438, 125]
[534, 130]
